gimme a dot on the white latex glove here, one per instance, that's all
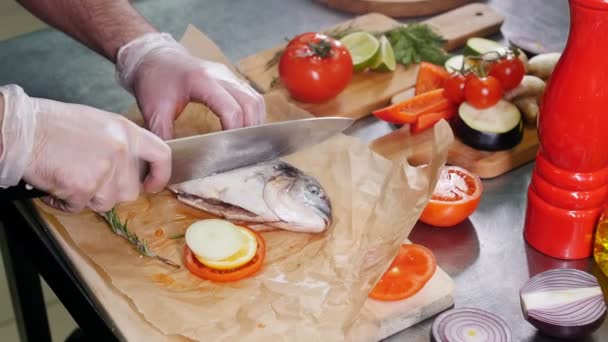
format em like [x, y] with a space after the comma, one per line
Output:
[83, 157]
[164, 78]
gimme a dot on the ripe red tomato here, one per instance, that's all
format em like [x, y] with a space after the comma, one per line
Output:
[483, 92]
[509, 71]
[315, 68]
[454, 88]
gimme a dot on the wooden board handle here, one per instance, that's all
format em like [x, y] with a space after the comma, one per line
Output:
[474, 20]
[395, 8]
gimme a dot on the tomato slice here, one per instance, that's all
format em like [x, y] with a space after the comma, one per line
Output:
[455, 198]
[207, 273]
[408, 273]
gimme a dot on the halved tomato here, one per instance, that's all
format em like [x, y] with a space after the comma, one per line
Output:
[408, 273]
[455, 198]
[227, 275]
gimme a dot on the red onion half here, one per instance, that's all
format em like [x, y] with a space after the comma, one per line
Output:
[563, 303]
[470, 325]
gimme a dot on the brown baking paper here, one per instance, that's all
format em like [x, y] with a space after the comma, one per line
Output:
[312, 287]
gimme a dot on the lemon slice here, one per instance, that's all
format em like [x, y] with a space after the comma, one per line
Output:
[385, 58]
[362, 47]
[247, 252]
[214, 239]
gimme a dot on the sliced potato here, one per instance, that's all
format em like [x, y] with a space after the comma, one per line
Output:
[529, 86]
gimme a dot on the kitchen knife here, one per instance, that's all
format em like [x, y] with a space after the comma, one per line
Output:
[205, 154]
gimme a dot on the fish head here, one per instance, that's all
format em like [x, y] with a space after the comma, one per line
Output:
[298, 199]
[310, 192]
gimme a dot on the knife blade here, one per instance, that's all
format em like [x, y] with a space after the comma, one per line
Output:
[206, 154]
[203, 155]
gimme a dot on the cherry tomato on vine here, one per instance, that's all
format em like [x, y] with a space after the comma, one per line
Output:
[509, 71]
[454, 88]
[483, 92]
[315, 67]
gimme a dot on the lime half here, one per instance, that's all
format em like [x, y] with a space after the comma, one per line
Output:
[362, 47]
[385, 59]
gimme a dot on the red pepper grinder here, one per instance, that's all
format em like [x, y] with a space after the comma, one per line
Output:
[570, 180]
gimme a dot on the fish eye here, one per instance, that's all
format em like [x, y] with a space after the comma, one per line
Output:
[314, 189]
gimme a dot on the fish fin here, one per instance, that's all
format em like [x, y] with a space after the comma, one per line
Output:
[219, 208]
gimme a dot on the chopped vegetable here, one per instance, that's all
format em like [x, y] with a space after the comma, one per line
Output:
[214, 239]
[429, 120]
[411, 269]
[456, 64]
[223, 273]
[407, 112]
[542, 65]
[430, 77]
[493, 129]
[476, 46]
[529, 108]
[470, 325]
[455, 198]
[405, 95]
[563, 303]
[529, 86]
[246, 253]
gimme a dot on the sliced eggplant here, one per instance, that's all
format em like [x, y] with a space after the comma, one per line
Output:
[497, 128]
[455, 63]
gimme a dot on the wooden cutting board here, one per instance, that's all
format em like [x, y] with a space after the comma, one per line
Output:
[435, 297]
[371, 90]
[483, 163]
[394, 8]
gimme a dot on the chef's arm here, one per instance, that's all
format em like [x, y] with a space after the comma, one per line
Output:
[102, 25]
[171, 76]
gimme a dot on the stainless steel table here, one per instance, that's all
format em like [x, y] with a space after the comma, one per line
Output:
[486, 255]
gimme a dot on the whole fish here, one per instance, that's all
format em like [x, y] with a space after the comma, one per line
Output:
[271, 193]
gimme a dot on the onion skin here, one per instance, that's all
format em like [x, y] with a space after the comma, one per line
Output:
[569, 320]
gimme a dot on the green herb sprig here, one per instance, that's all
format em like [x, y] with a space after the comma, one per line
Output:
[416, 43]
[141, 246]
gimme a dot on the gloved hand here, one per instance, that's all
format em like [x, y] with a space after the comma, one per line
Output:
[82, 156]
[164, 78]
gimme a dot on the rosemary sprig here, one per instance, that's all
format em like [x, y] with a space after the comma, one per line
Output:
[141, 246]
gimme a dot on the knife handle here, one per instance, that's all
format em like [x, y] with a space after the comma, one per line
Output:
[20, 191]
